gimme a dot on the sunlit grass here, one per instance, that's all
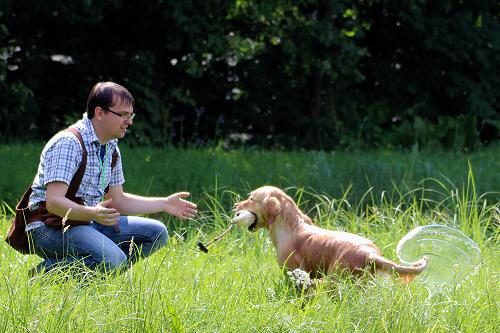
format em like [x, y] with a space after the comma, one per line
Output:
[238, 286]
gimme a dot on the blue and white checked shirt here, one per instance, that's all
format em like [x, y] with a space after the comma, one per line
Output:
[61, 158]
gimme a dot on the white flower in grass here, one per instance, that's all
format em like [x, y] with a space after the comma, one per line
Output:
[300, 278]
[270, 293]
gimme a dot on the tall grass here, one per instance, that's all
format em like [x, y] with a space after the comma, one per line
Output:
[238, 286]
[163, 171]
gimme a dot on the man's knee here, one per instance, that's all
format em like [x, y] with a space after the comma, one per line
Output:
[161, 238]
[116, 262]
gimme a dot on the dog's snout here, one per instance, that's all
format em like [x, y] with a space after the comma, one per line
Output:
[238, 206]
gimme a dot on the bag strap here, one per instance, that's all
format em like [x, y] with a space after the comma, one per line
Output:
[114, 159]
[23, 203]
[77, 178]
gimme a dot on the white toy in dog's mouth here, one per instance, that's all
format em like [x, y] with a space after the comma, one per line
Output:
[244, 218]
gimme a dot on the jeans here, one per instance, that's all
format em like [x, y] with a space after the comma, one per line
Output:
[97, 246]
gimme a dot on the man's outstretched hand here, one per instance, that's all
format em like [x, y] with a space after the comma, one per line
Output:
[179, 207]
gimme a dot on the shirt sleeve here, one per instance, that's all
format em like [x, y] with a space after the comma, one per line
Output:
[117, 177]
[61, 160]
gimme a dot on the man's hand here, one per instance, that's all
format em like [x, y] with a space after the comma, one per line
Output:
[105, 214]
[180, 208]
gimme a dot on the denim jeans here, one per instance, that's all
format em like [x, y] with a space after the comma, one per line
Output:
[97, 246]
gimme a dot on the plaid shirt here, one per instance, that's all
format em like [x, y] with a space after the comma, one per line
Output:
[61, 158]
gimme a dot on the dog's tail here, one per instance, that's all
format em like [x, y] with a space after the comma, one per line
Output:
[406, 273]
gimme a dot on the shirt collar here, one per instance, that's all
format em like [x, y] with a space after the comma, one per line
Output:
[89, 132]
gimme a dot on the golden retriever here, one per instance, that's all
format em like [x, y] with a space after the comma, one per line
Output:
[301, 244]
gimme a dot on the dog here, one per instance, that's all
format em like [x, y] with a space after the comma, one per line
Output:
[301, 244]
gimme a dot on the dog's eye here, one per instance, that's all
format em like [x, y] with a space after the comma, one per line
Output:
[253, 200]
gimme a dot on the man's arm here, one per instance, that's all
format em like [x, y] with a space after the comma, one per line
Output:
[59, 205]
[131, 204]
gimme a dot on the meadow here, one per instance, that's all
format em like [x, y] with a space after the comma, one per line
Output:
[238, 285]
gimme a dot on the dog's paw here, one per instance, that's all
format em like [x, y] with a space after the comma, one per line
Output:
[300, 279]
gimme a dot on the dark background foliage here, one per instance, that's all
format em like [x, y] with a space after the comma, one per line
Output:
[311, 74]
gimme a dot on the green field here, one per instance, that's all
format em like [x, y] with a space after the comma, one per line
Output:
[238, 286]
[161, 172]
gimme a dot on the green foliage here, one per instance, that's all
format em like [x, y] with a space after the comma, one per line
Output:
[312, 74]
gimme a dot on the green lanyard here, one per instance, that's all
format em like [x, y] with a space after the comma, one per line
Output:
[102, 171]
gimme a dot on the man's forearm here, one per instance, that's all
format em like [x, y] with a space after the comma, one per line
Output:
[60, 206]
[131, 204]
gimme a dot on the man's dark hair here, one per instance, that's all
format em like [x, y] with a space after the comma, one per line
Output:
[107, 94]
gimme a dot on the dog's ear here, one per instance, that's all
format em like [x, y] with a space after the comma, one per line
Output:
[273, 209]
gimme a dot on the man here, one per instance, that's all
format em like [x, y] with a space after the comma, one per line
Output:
[102, 235]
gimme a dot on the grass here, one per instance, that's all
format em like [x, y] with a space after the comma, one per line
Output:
[162, 171]
[238, 286]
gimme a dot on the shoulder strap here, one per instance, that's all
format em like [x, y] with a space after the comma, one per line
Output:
[77, 178]
[114, 159]
[113, 164]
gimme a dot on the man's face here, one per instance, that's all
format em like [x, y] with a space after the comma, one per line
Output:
[117, 119]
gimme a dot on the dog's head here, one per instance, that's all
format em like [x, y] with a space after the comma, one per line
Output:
[265, 203]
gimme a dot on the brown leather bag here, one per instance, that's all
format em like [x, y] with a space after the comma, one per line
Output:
[17, 236]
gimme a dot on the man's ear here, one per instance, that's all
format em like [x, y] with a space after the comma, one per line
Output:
[273, 209]
[98, 112]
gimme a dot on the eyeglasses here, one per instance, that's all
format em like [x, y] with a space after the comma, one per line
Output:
[126, 116]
